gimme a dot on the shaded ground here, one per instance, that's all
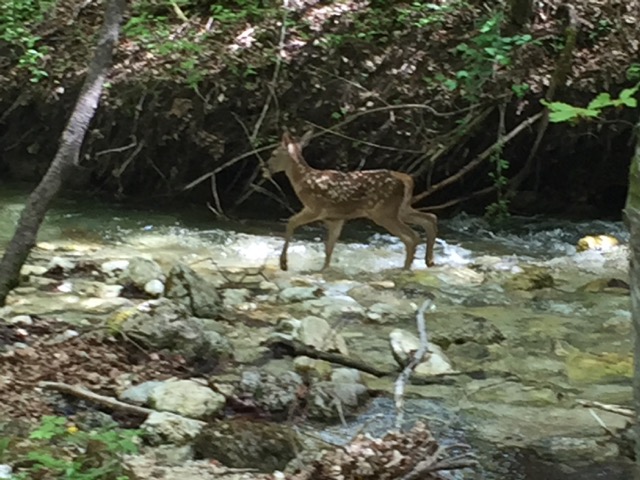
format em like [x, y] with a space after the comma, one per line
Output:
[189, 97]
[93, 360]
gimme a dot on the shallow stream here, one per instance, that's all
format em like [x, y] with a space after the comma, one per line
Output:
[559, 342]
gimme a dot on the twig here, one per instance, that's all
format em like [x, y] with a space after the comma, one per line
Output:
[274, 77]
[178, 11]
[558, 79]
[295, 348]
[403, 378]
[627, 412]
[364, 142]
[479, 159]
[117, 149]
[350, 119]
[214, 191]
[88, 395]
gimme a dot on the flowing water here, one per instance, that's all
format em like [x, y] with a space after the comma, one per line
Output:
[537, 325]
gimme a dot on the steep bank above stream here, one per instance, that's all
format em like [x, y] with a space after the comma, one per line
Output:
[411, 86]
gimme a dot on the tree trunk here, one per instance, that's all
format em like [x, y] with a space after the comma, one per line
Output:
[67, 155]
[632, 214]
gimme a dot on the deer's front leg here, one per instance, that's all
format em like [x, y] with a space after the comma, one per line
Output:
[299, 219]
[334, 228]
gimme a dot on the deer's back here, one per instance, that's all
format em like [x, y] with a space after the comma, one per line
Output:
[352, 194]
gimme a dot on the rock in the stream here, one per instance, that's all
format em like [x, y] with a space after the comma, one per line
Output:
[597, 242]
[20, 320]
[338, 397]
[467, 329]
[333, 307]
[247, 444]
[299, 294]
[530, 278]
[404, 344]
[60, 265]
[154, 288]
[273, 394]
[165, 324]
[312, 331]
[188, 288]
[113, 266]
[235, 297]
[393, 312]
[187, 398]
[139, 394]
[610, 285]
[141, 271]
[166, 427]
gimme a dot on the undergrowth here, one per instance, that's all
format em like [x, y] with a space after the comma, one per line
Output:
[58, 449]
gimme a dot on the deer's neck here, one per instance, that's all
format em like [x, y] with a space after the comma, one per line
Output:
[297, 170]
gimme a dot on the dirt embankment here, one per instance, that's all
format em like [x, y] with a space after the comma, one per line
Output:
[417, 87]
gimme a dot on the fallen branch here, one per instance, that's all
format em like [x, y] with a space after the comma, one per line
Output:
[617, 409]
[296, 349]
[85, 394]
[480, 158]
[403, 378]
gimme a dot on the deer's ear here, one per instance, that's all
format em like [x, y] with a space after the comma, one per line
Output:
[286, 139]
[304, 141]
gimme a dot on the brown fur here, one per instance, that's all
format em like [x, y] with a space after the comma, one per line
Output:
[334, 197]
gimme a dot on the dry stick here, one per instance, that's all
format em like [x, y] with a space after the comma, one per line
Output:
[265, 108]
[350, 119]
[627, 412]
[299, 349]
[350, 82]
[403, 378]
[364, 142]
[558, 79]
[178, 11]
[85, 394]
[217, 211]
[455, 137]
[478, 160]
[274, 77]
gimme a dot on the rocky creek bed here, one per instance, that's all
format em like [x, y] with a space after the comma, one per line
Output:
[194, 324]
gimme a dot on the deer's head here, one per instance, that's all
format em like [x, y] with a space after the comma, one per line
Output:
[289, 150]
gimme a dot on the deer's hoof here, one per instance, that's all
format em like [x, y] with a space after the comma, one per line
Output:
[283, 265]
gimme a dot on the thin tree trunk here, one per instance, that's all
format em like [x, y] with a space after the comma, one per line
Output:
[67, 155]
[632, 214]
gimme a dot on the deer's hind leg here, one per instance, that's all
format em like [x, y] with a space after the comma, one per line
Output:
[409, 237]
[303, 217]
[429, 222]
[334, 228]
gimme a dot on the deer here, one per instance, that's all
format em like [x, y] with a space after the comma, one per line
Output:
[334, 197]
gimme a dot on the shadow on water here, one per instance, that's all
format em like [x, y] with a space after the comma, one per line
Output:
[523, 465]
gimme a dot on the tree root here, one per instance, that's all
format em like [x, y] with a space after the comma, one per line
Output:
[88, 395]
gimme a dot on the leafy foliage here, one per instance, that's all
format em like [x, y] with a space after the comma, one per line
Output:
[484, 53]
[59, 450]
[564, 112]
[15, 16]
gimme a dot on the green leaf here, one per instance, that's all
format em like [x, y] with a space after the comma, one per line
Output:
[562, 116]
[627, 92]
[601, 101]
[451, 84]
